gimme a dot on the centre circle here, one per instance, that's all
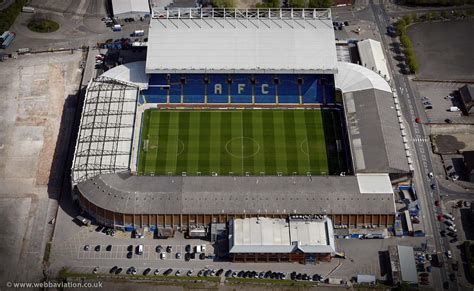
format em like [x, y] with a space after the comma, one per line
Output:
[242, 147]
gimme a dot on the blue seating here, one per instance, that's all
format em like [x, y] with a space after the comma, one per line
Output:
[241, 89]
[264, 90]
[309, 89]
[175, 89]
[213, 96]
[288, 91]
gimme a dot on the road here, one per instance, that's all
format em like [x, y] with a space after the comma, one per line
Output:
[422, 151]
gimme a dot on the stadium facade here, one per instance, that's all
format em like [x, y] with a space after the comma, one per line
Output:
[230, 58]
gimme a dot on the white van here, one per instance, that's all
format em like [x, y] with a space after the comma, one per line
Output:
[198, 249]
[117, 27]
[140, 250]
[139, 33]
[454, 108]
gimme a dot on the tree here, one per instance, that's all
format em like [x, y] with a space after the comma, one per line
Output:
[319, 3]
[223, 3]
[297, 3]
[407, 19]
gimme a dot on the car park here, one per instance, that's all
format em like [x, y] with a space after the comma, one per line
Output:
[146, 272]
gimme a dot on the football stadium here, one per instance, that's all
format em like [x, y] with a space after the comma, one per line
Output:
[238, 114]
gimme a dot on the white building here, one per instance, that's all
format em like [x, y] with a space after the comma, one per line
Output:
[373, 58]
[303, 239]
[130, 8]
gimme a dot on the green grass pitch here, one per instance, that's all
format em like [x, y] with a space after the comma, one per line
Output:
[240, 142]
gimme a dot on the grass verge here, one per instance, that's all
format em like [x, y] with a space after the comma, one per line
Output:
[8, 15]
[43, 25]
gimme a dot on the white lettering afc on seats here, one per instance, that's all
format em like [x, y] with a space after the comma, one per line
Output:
[240, 89]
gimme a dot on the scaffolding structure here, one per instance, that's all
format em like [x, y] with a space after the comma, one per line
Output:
[104, 142]
[232, 13]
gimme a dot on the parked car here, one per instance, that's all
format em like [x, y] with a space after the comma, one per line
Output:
[108, 248]
[129, 255]
[159, 248]
[189, 273]
[113, 269]
[169, 249]
[187, 248]
[118, 271]
[178, 256]
[449, 254]
[178, 273]
[130, 248]
[146, 272]
[156, 272]
[97, 248]
[86, 247]
[167, 272]
[163, 256]
[219, 272]
[202, 256]
[95, 270]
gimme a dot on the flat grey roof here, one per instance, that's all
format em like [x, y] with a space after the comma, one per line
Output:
[130, 6]
[212, 41]
[374, 132]
[270, 235]
[123, 193]
[407, 264]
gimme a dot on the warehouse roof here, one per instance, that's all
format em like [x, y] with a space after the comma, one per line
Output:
[407, 264]
[267, 235]
[267, 41]
[373, 124]
[129, 6]
[372, 57]
[125, 193]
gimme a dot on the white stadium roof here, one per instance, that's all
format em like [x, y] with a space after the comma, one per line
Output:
[352, 77]
[130, 6]
[132, 73]
[244, 41]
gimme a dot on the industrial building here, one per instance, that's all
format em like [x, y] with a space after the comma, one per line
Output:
[303, 239]
[403, 267]
[372, 57]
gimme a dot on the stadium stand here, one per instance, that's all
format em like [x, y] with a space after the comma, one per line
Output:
[193, 88]
[241, 89]
[288, 91]
[213, 96]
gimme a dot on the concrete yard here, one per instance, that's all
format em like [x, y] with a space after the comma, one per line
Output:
[443, 49]
[35, 89]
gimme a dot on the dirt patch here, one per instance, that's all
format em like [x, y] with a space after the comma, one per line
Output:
[453, 144]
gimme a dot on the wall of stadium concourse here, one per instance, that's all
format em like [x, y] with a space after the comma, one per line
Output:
[129, 221]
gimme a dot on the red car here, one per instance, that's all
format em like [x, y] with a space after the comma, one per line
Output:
[418, 120]
[437, 203]
[440, 217]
